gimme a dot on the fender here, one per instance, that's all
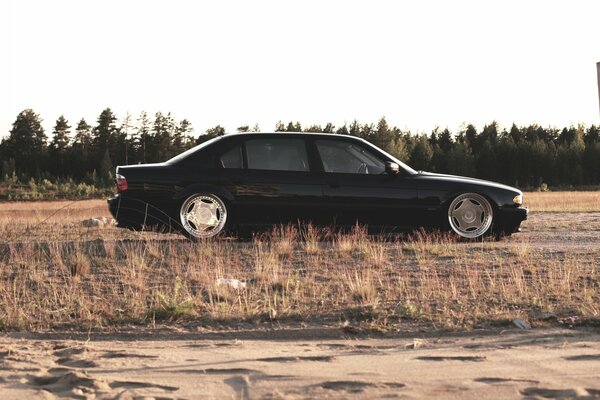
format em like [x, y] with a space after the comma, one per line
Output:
[450, 195]
[203, 188]
[498, 200]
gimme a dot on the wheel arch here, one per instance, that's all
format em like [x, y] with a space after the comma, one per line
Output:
[489, 196]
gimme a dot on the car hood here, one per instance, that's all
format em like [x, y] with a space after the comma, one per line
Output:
[467, 180]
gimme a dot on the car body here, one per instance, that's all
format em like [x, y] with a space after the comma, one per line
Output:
[253, 180]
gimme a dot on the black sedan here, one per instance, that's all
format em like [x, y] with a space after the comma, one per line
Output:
[243, 181]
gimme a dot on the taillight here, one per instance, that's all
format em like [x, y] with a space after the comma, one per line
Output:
[121, 183]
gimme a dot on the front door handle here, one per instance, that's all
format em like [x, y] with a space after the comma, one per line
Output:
[333, 184]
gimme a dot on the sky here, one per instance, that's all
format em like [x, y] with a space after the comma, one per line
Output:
[419, 64]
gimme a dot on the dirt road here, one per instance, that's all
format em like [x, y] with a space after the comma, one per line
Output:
[302, 364]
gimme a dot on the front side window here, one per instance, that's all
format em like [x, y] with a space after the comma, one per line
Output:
[277, 154]
[348, 158]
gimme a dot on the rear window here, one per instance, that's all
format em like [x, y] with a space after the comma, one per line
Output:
[191, 152]
[232, 158]
[278, 154]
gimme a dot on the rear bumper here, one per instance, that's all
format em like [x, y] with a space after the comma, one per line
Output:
[124, 213]
[137, 214]
[509, 219]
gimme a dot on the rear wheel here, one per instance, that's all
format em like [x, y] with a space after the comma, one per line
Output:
[470, 215]
[203, 216]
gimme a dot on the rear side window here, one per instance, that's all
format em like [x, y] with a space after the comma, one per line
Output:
[349, 158]
[277, 154]
[232, 158]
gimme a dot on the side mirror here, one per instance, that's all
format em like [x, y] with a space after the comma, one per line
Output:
[392, 168]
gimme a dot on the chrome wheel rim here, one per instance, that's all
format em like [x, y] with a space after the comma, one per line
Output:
[470, 215]
[203, 216]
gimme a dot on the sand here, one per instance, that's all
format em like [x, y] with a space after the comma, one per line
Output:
[303, 363]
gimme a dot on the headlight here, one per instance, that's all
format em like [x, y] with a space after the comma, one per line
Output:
[518, 200]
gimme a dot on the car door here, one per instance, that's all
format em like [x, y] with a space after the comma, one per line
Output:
[276, 185]
[357, 188]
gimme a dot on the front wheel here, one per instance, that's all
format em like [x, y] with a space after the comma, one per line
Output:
[470, 215]
[203, 216]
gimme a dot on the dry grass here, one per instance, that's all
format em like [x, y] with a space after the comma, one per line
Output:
[56, 274]
[562, 201]
[53, 211]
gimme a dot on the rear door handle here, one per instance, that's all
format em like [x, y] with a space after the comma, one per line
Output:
[333, 184]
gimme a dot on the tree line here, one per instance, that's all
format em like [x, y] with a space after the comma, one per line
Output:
[528, 156]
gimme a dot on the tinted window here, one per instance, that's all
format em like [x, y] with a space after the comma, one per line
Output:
[192, 152]
[232, 158]
[277, 154]
[349, 158]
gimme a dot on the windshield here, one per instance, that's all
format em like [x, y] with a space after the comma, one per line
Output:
[194, 149]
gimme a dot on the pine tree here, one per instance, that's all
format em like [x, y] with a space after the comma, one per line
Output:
[329, 128]
[170, 138]
[445, 140]
[83, 136]
[291, 127]
[26, 143]
[211, 133]
[515, 134]
[164, 131]
[59, 145]
[105, 138]
[383, 136]
[460, 160]
[184, 132]
[106, 169]
[422, 153]
[592, 135]
[366, 132]
[81, 150]
[354, 129]
[342, 130]
[141, 138]
[279, 127]
[398, 149]
[125, 128]
[314, 129]
[470, 136]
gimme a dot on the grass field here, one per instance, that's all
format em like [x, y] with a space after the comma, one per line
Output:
[562, 201]
[55, 273]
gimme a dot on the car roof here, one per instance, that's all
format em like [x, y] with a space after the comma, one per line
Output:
[306, 134]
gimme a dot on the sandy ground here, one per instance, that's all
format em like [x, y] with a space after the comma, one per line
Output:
[302, 364]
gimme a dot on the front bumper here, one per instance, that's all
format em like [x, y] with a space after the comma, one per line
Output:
[509, 219]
